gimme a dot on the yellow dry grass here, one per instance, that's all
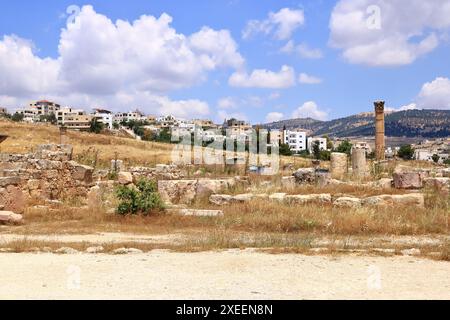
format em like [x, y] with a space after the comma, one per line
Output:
[24, 138]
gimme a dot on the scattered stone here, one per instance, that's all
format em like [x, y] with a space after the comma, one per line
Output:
[280, 197]
[311, 198]
[307, 175]
[220, 199]
[66, 250]
[10, 217]
[177, 191]
[201, 213]
[125, 178]
[243, 198]
[93, 250]
[412, 199]
[206, 187]
[127, 251]
[437, 183]
[411, 252]
[348, 202]
[408, 180]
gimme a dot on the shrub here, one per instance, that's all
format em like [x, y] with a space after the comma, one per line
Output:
[406, 152]
[142, 199]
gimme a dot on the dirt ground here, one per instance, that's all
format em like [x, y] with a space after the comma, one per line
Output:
[232, 274]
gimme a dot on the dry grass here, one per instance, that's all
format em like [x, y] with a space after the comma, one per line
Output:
[24, 138]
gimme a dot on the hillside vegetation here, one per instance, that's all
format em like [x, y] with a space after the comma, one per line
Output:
[411, 123]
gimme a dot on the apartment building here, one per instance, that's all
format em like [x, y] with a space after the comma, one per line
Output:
[313, 140]
[74, 119]
[104, 116]
[296, 140]
[44, 107]
[237, 128]
[129, 116]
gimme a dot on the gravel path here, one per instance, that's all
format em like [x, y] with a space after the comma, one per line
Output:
[220, 275]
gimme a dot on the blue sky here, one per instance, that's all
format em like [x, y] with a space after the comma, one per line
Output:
[345, 64]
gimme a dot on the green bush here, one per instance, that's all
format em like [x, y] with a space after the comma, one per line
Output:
[144, 199]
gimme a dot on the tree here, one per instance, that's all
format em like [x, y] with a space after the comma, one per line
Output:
[406, 152]
[285, 150]
[48, 118]
[436, 158]
[447, 162]
[316, 150]
[164, 136]
[17, 117]
[116, 126]
[96, 126]
[325, 155]
[329, 142]
[345, 147]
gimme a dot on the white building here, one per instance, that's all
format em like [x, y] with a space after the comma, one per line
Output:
[296, 140]
[104, 116]
[129, 116]
[313, 140]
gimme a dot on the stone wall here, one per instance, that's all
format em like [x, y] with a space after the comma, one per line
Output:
[49, 173]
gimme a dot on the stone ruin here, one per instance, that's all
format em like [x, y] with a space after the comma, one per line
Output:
[47, 174]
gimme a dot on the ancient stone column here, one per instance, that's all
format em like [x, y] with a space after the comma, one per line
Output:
[359, 163]
[338, 165]
[379, 131]
[63, 135]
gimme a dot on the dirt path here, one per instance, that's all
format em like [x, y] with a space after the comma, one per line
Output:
[220, 275]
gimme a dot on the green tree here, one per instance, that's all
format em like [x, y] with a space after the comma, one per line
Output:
[345, 147]
[17, 117]
[436, 158]
[406, 152]
[316, 150]
[447, 162]
[164, 136]
[325, 155]
[51, 118]
[285, 150]
[329, 142]
[142, 199]
[116, 126]
[96, 126]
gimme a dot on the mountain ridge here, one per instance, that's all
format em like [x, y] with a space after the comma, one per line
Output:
[409, 123]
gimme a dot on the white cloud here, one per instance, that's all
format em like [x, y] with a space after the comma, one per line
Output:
[274, 117]
[281, 24]
[411, 106]
[118, 64]
[310, 110]
[303, 50]
[274, 96]
[262, 78]
[227, 103]
[435, 94]
[309, 53]
[223, 115]
[404, 31]
[307, 79]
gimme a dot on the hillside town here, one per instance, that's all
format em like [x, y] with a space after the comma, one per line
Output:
[299, 141]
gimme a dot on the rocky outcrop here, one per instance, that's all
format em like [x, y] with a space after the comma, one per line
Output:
[186, 191]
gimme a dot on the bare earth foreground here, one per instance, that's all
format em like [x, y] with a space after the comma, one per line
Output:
[232, 274]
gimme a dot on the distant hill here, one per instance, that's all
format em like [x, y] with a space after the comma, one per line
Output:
[411, 123]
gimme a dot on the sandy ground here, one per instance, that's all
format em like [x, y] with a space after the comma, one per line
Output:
[220, 275]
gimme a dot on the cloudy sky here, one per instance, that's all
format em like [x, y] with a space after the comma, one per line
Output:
[259, 60]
